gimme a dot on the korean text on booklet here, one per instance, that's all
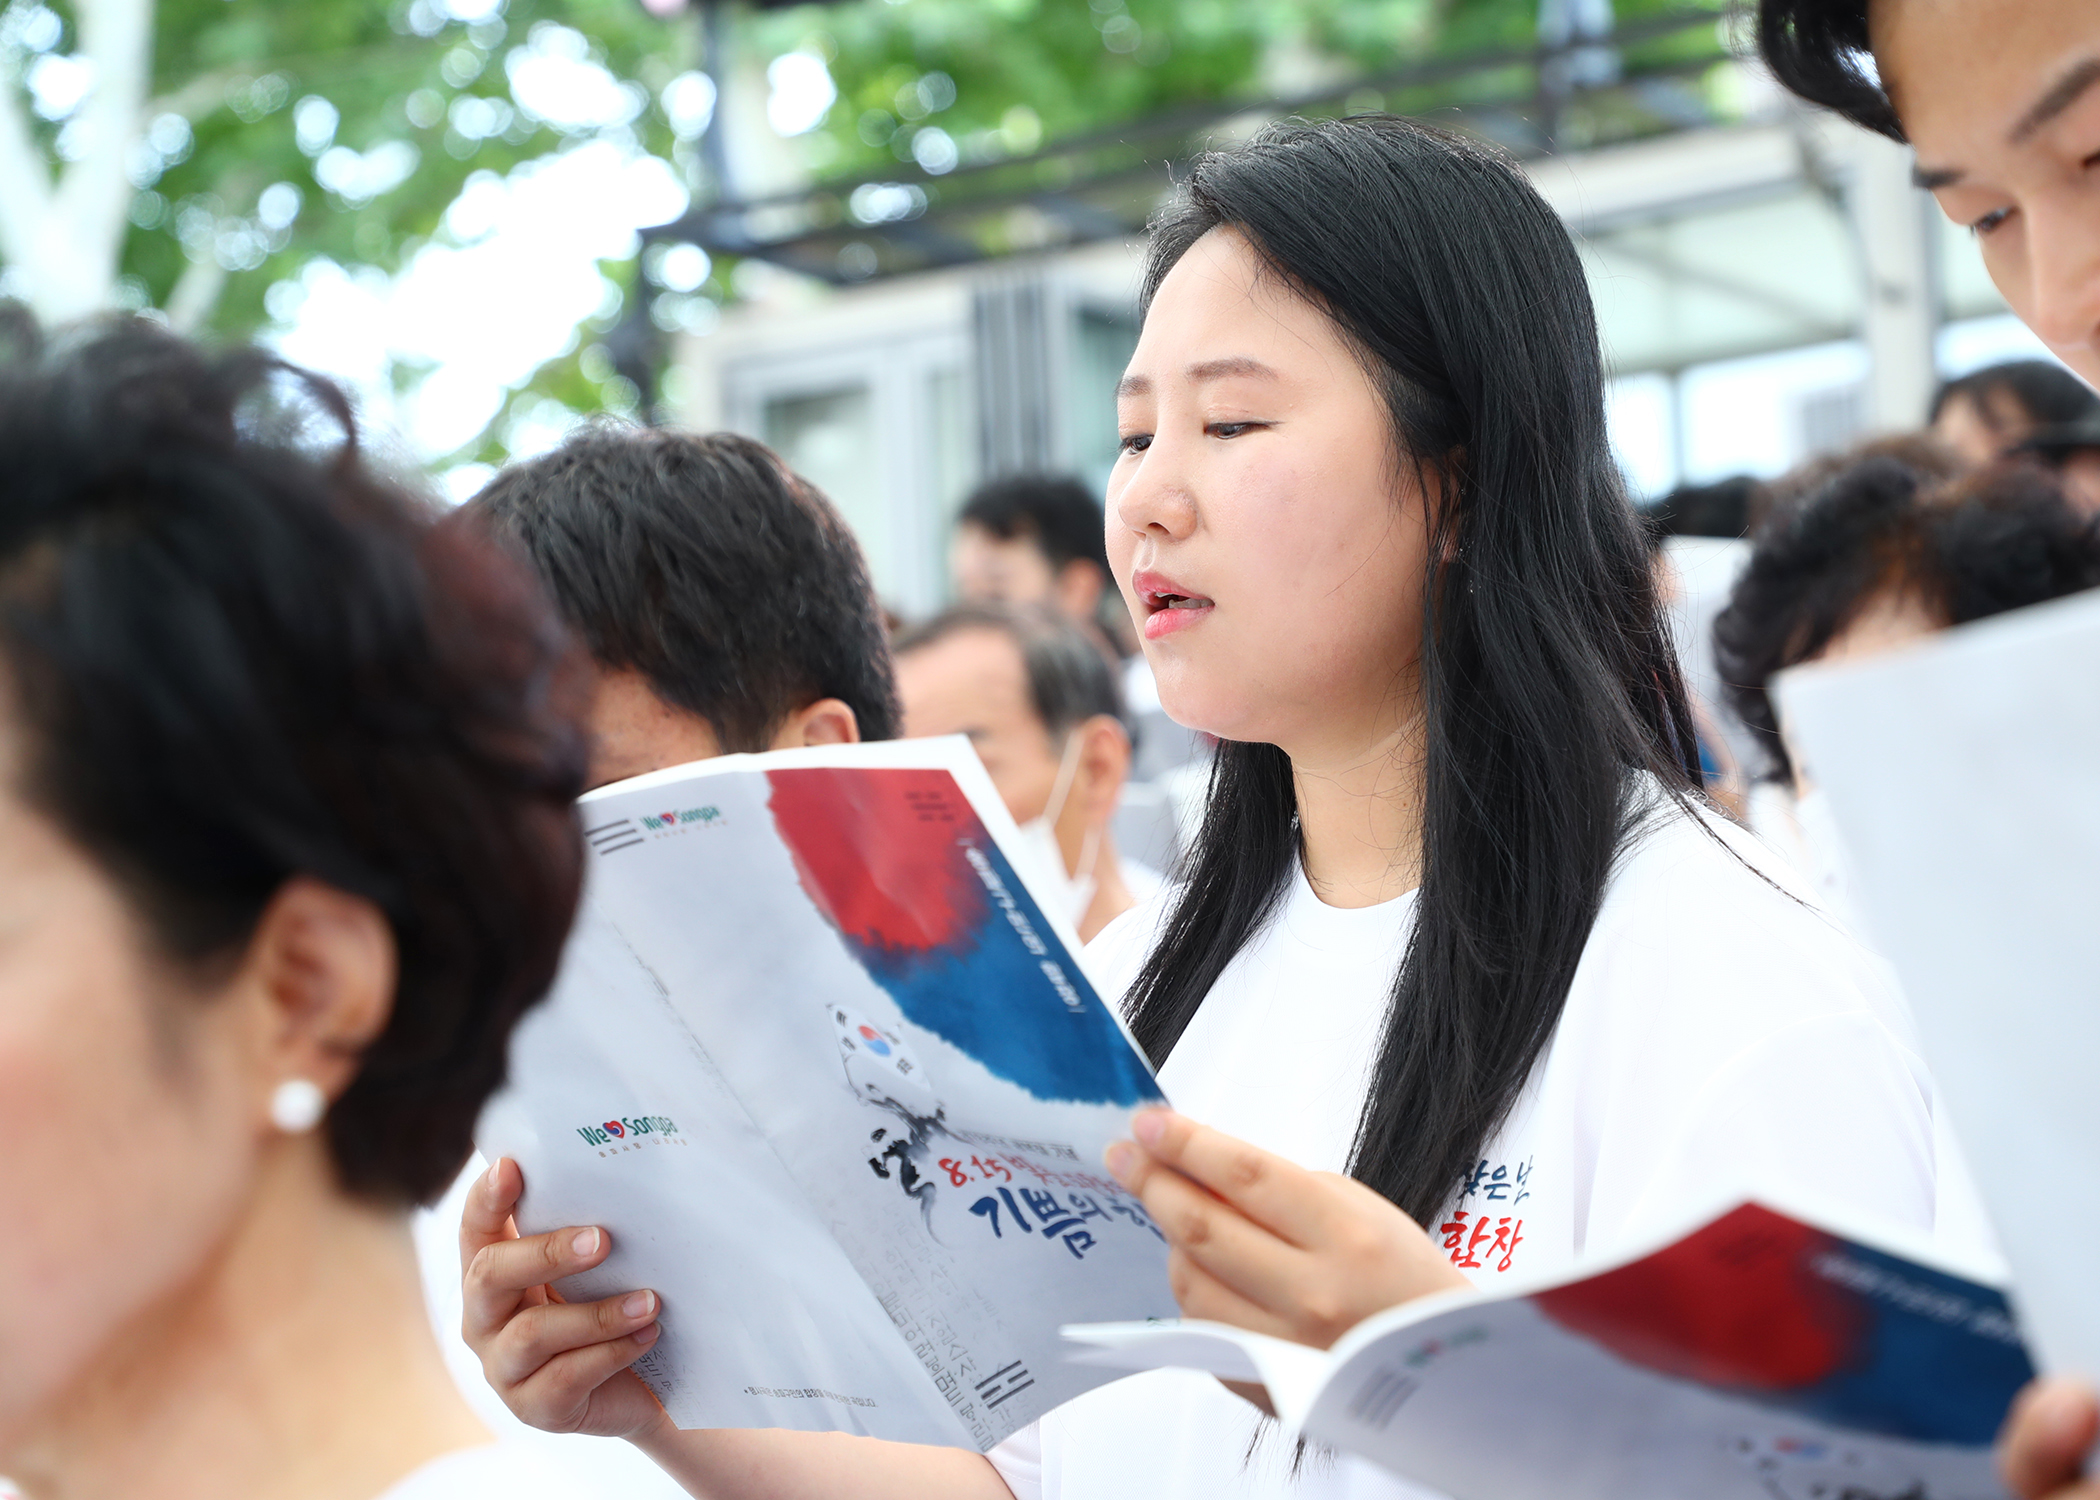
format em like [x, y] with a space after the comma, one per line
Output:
[839, 1089]
[1961, 774]
[1756, 1358]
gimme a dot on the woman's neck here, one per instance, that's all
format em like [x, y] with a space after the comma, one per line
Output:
[1360, 813]
[299, 1365]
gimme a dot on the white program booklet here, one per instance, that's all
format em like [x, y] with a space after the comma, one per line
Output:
[834, 1081]
[1756, 1357]
[1964, 777]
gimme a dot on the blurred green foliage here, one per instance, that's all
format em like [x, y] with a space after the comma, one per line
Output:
[238, 189]
[396, 75]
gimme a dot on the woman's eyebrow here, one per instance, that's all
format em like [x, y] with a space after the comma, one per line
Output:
[1210, 369]
[1231, 365]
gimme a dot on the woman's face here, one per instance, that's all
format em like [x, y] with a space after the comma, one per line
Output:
[1268, 542]
[2001, 98]
[126, 1136]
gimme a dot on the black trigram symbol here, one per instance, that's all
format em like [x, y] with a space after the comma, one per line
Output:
[1000, 1384]
[610, 838]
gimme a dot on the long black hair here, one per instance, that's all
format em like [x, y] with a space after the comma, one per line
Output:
[1550, 686]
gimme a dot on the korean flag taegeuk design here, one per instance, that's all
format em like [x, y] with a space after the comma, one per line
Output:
[900, 865]
[879, 1066]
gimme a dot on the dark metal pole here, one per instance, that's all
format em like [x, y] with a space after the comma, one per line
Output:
[714, 62]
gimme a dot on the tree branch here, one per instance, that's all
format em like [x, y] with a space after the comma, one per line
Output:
[94, 193]
[195, 294]
[25, 182]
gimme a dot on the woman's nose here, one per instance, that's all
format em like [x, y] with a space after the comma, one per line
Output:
[1155, 498]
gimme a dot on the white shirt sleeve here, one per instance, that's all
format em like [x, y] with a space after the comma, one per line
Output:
[1826, 1111]
[1738, 1042]
[1019, 1461]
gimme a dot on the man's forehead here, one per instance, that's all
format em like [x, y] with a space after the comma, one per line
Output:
[972, 662]
[1973, 76]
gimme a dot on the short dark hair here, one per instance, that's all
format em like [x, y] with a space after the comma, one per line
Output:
[239, 656]
[1722, 509]
[705, 564]
[2046, 392]
[1817, 49]
[1056, 512]
[1071, 677]
[2000, 540]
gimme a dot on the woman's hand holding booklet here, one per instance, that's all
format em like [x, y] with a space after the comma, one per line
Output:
[1260, 1243]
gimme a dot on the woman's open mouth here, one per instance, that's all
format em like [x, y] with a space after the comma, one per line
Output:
[1168, 605]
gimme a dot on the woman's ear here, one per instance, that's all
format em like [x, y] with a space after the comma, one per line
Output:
[320, 971]
[828, 721]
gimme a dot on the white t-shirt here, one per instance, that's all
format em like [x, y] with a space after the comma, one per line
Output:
[1718, 1033]
[495, 1471]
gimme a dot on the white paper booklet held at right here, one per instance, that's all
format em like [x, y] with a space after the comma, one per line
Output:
[1758, 1357]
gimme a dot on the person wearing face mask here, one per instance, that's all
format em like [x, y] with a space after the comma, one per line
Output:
[1882, 552]
[1038, 699]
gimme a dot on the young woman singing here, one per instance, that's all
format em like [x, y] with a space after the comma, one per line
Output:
[1457, 923]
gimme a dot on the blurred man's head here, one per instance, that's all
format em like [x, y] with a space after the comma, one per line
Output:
[1032, 539]
[1039, 701]
[723, 600]
[1987, 413]
[2001, 99]
[2072, 449]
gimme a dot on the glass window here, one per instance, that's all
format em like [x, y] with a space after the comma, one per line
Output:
[951, 457]
[1102, 345]
[828, 437]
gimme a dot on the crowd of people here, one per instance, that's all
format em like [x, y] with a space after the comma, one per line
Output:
[1472, 881]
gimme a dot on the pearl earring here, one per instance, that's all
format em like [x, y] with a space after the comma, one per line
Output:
[296, 1105]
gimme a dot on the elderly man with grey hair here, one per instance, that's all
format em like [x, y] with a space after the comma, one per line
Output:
[1037, 696]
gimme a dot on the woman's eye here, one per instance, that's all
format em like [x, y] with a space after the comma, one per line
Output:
[1229, 429]
[1990, 221]
[1135, 442]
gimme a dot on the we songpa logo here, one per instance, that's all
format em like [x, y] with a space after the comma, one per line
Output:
[632, 1129]
[680, 818]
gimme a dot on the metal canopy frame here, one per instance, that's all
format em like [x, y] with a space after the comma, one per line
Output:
[1105, 184]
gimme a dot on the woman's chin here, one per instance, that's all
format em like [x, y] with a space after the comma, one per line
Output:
[1221, 716]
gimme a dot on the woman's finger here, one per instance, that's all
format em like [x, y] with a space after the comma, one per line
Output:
[537, 1335]
[485, 1218]
[1274, 1193]
[1215, 1235]
[560, 1395]
[501, 1273]
[2047, 1437]
[1202, 1295]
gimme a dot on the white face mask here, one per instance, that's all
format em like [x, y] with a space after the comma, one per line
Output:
[1071, 890]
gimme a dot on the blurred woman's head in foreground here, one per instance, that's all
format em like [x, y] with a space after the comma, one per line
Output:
[1887, 548]
[286, 844]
